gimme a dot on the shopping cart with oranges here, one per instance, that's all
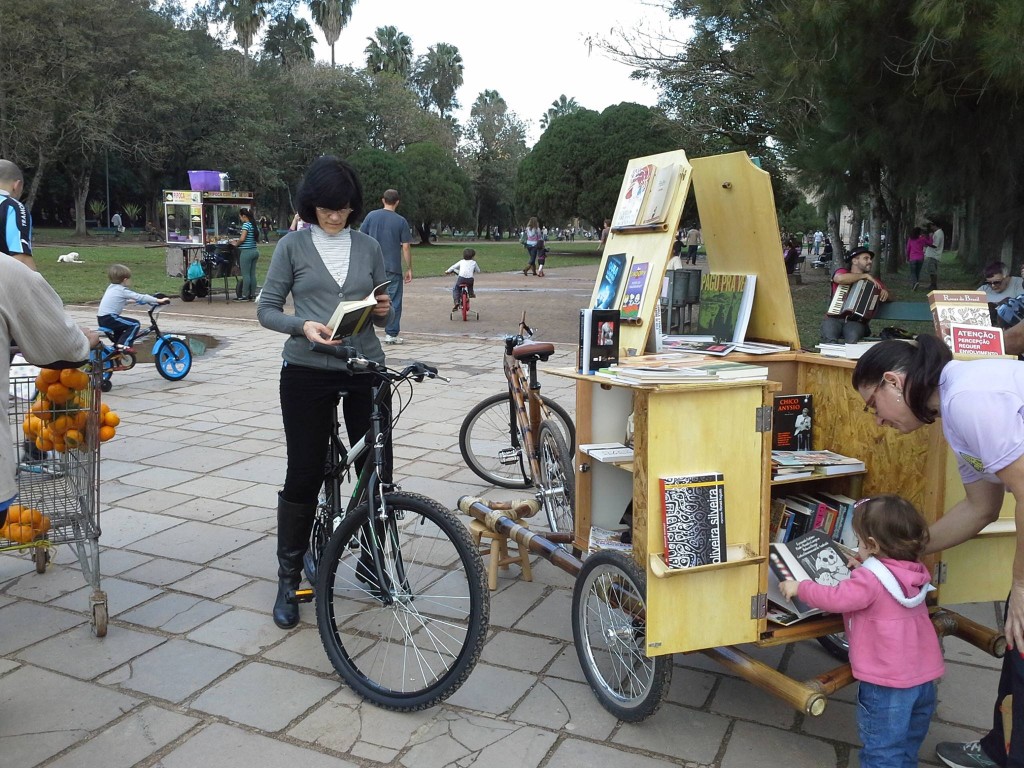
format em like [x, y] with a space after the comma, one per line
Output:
[57, 423]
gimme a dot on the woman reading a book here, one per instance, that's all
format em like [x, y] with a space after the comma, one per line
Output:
[317, 267]
[907, 384]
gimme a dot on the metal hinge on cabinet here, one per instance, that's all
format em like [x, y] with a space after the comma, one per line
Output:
[940, 573]
[763, 418]
[759, 605]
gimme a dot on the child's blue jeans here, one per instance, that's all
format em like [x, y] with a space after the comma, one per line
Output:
[123, 329]
[892, 723]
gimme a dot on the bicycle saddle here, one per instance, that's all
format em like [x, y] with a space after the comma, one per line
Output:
[536, 350]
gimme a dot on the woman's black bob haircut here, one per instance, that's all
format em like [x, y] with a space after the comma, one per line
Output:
[330, 183]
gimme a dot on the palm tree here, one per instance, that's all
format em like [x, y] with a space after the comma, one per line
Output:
[389, 51]
[438, 76]
[331, 16]
[559, 107]
[289, 40]
[246, 17]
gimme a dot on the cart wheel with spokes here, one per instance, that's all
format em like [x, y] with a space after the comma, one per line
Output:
[609, 627]
[837, 645]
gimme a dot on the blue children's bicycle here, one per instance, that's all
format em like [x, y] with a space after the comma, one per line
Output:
[171, 354]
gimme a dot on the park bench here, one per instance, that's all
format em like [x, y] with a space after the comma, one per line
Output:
[904, 311]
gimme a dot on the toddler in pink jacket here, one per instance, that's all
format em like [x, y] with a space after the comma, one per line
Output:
[894, 650]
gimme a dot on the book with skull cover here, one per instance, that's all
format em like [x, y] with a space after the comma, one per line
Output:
[813, 556]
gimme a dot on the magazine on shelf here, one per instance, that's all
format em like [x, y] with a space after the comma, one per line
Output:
[630, 206]
[633, 295]
[694, 515]
[718, 349]
[810, 557]
[609, 286]
[603, 538]
[655, 209]
[725, 305]
[792, 416]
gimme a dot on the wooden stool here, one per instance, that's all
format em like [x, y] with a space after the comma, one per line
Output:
[498, 551]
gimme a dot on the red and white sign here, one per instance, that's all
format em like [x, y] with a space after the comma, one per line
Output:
[976, 340]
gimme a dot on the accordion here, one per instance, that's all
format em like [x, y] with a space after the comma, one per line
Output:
[857, 301]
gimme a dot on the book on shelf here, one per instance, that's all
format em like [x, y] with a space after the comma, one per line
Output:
[351, 316]
[786, 463]
[716, 348]
[630, 206]
[725, 370]
[960, 307]
[688, 338]
[761, 348]
[636, 285]
[660, 375]
[655, 209]
[603, 538]
[599, 339]
[606, 295]
[971, 341]
[812, 556]
[792, 416]
[694, 515]
[725, 305]
[658, 360]
[849, 351]
[609, 453]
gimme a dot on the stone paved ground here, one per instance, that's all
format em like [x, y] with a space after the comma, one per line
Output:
[194, 673]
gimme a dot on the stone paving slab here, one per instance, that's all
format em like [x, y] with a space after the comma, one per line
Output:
[193, 672]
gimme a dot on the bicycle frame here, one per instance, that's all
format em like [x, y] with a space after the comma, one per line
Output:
[525, 405]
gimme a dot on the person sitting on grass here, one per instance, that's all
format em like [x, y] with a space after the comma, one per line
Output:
[464, 268]
[118, 293]
[894, 649]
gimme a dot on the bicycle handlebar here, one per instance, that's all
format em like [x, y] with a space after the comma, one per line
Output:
[356, 362]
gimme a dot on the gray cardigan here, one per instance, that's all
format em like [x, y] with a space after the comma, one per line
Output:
[297, 269]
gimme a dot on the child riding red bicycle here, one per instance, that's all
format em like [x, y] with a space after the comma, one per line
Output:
[465, 268]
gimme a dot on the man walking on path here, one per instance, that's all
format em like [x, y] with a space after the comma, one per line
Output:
[15, 220]
[933, 253]
[391, 230]
[692, 241]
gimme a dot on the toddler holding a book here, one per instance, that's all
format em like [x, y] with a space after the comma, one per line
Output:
[894, 649]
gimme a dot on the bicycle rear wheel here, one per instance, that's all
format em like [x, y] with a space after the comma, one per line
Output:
[557, 482]
[489, 441]
[410, 643]
[465, 306]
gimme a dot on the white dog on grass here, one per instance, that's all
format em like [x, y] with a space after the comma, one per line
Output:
[69, 258]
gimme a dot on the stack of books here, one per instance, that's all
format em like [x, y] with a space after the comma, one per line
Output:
[849, 351]
[609, 453]
[688, 372]
[792, 465]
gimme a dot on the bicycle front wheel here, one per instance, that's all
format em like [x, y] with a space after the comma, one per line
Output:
[173, 358]
[411, 642]
[557, 483]
[489, 441]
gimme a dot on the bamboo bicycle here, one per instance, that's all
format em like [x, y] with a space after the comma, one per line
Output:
[401, 594]
[520, 438]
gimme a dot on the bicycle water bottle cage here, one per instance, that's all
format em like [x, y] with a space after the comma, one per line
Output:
[532, 351]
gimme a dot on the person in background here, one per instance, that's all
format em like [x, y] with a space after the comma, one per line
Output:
[894, 649]
[248, 255]
[999, 284]
[792, 256]
[32, 312]
[693, 240]
[916, 244]
[933, 254]
[605, 230]
[908, 384]
[464, 269]
[117, 295]
[392, 231]
[845, 329]
[15, 219]
[115, 223]
[316, 267]
[533, 235]
[265, 228]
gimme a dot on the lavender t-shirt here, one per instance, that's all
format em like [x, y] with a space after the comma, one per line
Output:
[982, 407]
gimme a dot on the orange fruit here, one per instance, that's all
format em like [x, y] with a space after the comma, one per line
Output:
[44, 525]
[111, 419]
[106, 432]
[62, 424]
[104, 408]
[42, 408]
[58, 394]
[73, 378]
[81, 420]
[14, 514]
[46, 377]
[43, 444]
[73, 438]
[35, 425]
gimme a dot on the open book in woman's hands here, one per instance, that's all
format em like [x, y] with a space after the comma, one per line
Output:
[351, 316]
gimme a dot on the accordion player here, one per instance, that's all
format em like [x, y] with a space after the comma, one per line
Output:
[855, 298]
[857, 301]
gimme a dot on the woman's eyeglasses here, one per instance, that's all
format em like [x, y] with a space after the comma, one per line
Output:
[328, 213]
[869, 404]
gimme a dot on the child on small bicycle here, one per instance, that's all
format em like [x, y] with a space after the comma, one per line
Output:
[464, 268]
[118, 293]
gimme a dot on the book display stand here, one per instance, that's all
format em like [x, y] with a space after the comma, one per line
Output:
[710, 427]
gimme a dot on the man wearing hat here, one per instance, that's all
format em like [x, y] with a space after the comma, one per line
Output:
[847, 329]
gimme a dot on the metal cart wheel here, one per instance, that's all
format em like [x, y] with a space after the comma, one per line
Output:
[837, 645]
[609, 627]
[98, 602]
[42, 557]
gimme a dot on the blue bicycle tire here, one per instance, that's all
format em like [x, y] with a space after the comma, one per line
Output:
[172, 357]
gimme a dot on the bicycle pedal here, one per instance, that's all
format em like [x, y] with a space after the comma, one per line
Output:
[301, 596]
[508, 456]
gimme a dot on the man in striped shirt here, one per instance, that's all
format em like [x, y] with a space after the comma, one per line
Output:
[15, 220]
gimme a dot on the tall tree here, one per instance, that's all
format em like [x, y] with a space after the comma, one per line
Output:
[289, 40]
[438, 76]
[559, 107]
[332, 16]
[245, 17]
[389, 51]
[496, 144]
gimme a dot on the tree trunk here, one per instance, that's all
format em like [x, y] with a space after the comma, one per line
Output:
[838, 248]
[80, 189]
[423, 228]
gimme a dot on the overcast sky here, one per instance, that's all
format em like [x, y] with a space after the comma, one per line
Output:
[530, 51]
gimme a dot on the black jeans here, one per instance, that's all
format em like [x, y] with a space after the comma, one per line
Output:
[307, 400]
[1011, 681]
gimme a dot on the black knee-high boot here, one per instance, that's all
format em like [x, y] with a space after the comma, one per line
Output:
[294, 522]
